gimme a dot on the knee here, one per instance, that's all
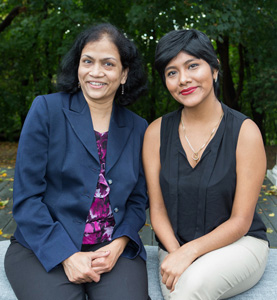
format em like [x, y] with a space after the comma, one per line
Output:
[191, 287]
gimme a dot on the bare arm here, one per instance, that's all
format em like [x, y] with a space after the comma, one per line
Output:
[152, 166]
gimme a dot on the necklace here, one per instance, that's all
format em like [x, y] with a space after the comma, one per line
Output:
[195, 155]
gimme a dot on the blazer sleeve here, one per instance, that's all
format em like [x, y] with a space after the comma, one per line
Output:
[45, 237]
[135, 216]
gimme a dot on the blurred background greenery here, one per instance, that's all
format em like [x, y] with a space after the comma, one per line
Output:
[34, 36]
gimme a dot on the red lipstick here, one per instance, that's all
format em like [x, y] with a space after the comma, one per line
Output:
[189, 90]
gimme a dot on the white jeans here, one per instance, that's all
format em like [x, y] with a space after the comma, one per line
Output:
[222, 273]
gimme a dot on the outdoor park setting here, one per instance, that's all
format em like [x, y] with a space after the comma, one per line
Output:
[35, 35]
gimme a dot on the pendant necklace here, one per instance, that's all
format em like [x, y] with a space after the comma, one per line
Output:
[195, 155]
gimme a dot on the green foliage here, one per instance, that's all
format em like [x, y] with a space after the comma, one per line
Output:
[33, 44]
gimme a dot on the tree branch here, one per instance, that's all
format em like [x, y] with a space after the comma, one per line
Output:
[14, 12]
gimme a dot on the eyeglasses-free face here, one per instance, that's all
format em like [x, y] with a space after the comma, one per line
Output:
[189, 79]
[100, 71]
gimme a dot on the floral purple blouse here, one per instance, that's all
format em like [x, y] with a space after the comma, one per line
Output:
[100, 221]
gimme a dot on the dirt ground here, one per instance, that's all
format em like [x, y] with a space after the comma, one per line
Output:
[8, 155]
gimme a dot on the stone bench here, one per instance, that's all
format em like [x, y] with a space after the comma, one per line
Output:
[265, 289]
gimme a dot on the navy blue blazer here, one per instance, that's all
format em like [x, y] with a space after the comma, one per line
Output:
[56, 174]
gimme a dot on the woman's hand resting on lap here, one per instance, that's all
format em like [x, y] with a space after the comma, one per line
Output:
[78, 267]
[105, 264]
[174, 265]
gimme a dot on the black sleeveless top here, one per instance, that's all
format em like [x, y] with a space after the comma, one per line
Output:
[200, 199]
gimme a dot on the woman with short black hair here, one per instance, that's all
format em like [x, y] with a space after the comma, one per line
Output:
[204, 165]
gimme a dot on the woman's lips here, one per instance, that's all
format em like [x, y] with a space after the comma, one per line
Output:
[188, 90]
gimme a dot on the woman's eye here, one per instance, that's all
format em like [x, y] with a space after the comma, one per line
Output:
[87, 61]
[171, 73]
[109, 64]
[193, 66]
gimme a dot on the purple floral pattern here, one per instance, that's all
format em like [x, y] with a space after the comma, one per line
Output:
[100, 221]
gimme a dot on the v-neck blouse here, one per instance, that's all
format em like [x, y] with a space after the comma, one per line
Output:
[199, 199]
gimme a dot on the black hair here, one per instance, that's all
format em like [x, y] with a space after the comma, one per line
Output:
[136, 82]
[193, 42]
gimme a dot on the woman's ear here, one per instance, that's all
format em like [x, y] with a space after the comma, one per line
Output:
[215, 75]
[216, 71]
[124, 76]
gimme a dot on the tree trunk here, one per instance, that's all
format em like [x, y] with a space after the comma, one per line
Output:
[228, 90]
[258, 119]
[241, 75]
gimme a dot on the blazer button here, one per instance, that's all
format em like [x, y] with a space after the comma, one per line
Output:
[116, 209]
[110, 181]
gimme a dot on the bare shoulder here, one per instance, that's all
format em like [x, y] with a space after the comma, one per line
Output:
[151, 143]
[250, 134]
[250, 143]
[153, 131]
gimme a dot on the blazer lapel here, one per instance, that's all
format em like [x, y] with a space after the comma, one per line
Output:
[121, 126]
[78, 116]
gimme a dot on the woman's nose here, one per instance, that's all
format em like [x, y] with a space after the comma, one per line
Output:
[96, 71]
[184, 78]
